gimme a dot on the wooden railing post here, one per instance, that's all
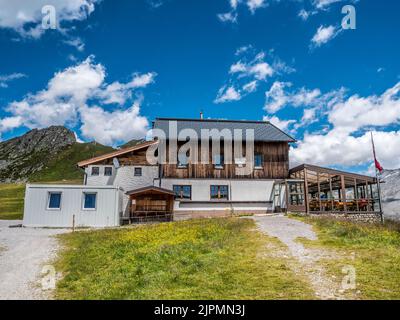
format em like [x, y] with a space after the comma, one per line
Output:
[343, 193]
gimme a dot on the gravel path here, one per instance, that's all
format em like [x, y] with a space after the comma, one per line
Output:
[23, 253]
[288, 231]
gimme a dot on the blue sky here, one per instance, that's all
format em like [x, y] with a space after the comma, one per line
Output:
[111, 67]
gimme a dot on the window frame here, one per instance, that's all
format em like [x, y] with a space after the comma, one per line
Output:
[262, 161]
[182, 186]
[219, 166]
[105, 171]
[181, 165]
[219, 191]
[137, 174]
[49, 198]
[84, 202]
[98, 171]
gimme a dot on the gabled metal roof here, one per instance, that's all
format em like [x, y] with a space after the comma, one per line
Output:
[263, 130]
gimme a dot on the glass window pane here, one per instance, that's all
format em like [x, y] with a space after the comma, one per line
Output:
[182, 160]
[186, 192]
[55, 200]
[183, 192]
[219, 160]
[95, 171]
[219, 192]
[90, 201]
[258, 160]
[108, 171]
[138, 172]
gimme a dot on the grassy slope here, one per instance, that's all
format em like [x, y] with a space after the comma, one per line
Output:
[63, 166]
[373, 250]
[61, 169]
[11, 201]
[198, 259]
[131, 143]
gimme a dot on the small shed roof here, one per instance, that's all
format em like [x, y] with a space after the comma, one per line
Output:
[150, 189]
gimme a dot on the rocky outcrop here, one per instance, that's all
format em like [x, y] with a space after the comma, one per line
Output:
[29, 153]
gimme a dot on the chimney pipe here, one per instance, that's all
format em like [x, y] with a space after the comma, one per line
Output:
[201, 115]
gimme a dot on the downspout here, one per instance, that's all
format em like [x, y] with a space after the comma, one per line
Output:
[84, 175]
[160, 174]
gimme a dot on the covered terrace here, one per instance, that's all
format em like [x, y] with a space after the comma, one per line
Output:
[316, 190]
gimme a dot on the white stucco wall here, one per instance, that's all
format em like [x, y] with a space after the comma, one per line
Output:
[239, 190]
[123, 177]
[126, 179]
[106, 214]
[101, 179]
[245, 195]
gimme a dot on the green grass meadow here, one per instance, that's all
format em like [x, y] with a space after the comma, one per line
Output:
[372, 249]
[198, 259]
[11, 201]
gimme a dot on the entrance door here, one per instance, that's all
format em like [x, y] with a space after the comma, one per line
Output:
[295, 196]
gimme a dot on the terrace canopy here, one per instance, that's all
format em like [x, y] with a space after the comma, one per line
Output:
[314, 189]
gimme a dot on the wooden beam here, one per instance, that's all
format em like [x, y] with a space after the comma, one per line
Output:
[356, 194]
[331, 191]
[319, 192]
[306, 192]
[343, 192]
[287, 196]
[367, 195]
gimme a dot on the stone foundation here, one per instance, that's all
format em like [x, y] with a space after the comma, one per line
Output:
[370, 217]
[200, 214]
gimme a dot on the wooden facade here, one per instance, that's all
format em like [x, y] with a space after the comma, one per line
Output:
[275, 164]
[151, 204]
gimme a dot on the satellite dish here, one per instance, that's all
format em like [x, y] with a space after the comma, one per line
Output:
[116, 163]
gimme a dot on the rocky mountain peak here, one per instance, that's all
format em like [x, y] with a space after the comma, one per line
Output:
[25, 152]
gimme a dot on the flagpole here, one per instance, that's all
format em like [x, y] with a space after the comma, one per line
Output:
[377, 175]
[379, 193]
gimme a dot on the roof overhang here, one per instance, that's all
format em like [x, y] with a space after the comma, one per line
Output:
[332, 172]
[116, 153]
[150, 189]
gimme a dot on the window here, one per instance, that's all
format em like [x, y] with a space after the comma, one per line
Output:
[183, 192]
[258, 161]
[95, 171]
[54, 200]
[182, 160]
[219, 193]
[138, 172]
[89, 201]
[108, 171]
[219, 161]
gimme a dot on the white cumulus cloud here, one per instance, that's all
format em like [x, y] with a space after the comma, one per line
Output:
[25, 17]
[281, 124]
[6, 78]
[108, 127]
[248, 72]
[74, 96]
[324, 35]
[348, 141]
[226, 94]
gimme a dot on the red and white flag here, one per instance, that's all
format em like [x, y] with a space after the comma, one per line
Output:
[377, 164]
